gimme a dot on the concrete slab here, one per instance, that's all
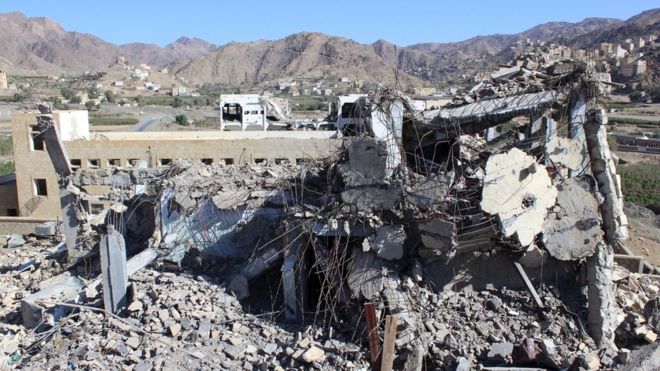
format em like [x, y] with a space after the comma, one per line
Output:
[519, 191]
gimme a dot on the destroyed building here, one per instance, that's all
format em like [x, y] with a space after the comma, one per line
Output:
[482, 234]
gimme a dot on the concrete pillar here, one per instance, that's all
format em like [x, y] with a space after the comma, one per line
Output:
[264, 121]
[604, 170]
[70, 222]
[54, 146]
[60, 159]
[294, 276]
[578, 108]
[550, 128]
[242, 119]
[291, 308]
[239, 283]
[602, 311]
[113, 270]
[600, 265]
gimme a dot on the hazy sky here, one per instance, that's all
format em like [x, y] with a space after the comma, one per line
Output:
[402, 22]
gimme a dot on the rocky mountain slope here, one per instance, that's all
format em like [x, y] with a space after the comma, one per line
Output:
[42, 46]
[306, 54]
[183, 48]
[645, 23]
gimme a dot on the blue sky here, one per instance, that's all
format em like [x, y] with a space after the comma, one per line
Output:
[402, 22]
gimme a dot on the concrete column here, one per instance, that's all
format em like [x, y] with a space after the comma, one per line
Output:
[264, 121]
[291, 308]
[600, 265]
[240, 283]
[294, 276]
[578, 109]
[60, 159]
[602, 311]
[550, 128]
[54, 145]
[70, 222]
[113, 270]
[222, 118]
[242, 119]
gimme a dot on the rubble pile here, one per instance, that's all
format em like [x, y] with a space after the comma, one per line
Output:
[483, 237]
[185, 321]
[500, 327]
[638, 301]
[28, 268]
[530, 73]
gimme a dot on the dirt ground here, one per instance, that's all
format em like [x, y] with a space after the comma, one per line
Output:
[644, 231]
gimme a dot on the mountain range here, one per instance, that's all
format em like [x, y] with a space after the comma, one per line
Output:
[41, 46]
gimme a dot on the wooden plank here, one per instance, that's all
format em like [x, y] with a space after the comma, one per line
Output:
[388, 345]
[372, 334]
[528, 283]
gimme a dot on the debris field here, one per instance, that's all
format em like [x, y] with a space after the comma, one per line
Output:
[483, 235]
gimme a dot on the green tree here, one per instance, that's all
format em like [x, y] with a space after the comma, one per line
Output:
[6, 167]
[75, 100]
[177, 102]
[19, 97]
[57, 103]
[181, 120]
[635, 96]
[110, 96]
[67, 93]
[92, 93]
[90, 105]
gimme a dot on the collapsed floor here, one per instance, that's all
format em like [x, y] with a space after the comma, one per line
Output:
[483, 234]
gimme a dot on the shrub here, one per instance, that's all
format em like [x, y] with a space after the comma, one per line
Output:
[6, 167]
[6, 146]
[181, 120]
[641, 184]
[110, 96]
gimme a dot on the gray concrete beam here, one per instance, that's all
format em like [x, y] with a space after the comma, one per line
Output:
[113, 269]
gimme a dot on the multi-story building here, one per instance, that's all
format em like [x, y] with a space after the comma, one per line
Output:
[33, 189]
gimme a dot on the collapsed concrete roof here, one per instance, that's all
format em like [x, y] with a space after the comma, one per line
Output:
[406, 202]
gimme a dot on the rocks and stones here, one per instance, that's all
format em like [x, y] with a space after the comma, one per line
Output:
[430, 191]
[313, 354]
[652, 314]
[15, 240]
[175, 330]
[46, 229]
[500, 352]
[388, 242]
[371, 199]
[438, 237]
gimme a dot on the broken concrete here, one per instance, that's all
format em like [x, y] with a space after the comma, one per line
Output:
[113, 270]
[15, 240]
[365, 277]
[519, 191]
[572, 232]
[313, 242]
[388, 242]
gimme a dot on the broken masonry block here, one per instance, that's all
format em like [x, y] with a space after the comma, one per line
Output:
[388, 242]
[572, 232]
[113, 270]
[519, 191]
[46, 229]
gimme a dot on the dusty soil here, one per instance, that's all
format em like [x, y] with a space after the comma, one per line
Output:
[644, 230]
